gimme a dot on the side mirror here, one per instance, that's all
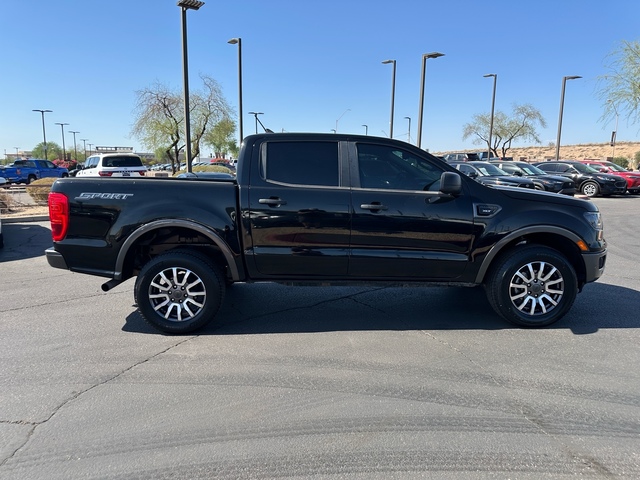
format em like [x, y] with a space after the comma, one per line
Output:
[450, 183]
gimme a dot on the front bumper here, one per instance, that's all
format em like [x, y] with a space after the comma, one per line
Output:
[594, 264]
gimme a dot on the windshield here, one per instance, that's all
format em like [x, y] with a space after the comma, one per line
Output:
[615, 167]
[489, 170]
[584, 168]
[531, 169]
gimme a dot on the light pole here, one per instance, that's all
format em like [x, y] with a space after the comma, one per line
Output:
[614, 134]
[75, 150]
[64, 151]
[393, 95]
[409, 133]
[422, 78]
[90, 145]
[84, 140]
[16, 152]
[347, 110]
[255, 114]
[564, 83]
[366, 129]
[238, 41]
[184, 6]
[44, 132]
[493, 104]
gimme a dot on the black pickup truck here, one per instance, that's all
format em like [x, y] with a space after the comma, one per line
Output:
[322, 209]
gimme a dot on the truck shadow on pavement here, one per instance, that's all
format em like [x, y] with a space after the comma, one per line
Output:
[270, 308]
[24, 240]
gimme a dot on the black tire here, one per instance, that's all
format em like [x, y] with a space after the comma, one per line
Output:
[590, 189]
[545, 299]
[31, 178]
[191, 300]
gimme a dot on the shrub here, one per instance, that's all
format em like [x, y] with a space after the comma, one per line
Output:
[622, 161]
[6, 200]
[39, 190]
[206, 168]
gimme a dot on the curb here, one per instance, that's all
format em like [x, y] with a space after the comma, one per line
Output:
[25, 219]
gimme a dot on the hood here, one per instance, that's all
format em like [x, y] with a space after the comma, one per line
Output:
[546, 197]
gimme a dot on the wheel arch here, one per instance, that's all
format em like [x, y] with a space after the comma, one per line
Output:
[557, 238]
[143, 239]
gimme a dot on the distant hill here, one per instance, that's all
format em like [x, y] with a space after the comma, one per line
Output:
[601, 151]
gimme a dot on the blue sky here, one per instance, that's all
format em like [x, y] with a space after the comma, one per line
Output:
[307, 64]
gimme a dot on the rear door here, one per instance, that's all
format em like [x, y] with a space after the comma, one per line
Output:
[298, 215]
[402, 228]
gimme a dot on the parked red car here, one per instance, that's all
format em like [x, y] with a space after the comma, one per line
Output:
[604, 166]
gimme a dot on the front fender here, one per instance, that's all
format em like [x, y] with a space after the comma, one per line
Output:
[523, 232]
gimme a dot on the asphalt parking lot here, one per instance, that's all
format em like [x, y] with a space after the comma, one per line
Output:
[297, 382]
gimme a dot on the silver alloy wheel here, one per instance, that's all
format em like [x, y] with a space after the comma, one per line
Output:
[590, 189]
[536, 288]
[177, 294]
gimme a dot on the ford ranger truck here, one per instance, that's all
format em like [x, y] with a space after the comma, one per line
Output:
[323, 209]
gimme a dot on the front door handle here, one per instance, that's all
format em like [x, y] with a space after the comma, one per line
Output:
[375, 206]
[272, 201]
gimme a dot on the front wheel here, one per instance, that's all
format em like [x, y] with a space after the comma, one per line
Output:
[590, 189]
[179, 291]
[532, 286]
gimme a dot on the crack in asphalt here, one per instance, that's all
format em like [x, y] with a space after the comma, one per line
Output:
[82, 392]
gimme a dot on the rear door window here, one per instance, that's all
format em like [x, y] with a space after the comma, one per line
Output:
[301, 163]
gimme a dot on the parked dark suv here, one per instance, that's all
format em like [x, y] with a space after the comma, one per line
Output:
[488, 174]
[588, 180]
[542, 180]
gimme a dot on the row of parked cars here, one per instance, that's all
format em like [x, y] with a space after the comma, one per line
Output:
[588, 177]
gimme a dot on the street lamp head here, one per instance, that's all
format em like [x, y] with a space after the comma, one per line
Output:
[389, 61]
[190, 4]
[42, 111]
[234, 41]
[490, 75]
[573, 77]
[256, 113]
[433, 55]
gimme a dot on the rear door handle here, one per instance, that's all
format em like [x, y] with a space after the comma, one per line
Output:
[373, 206]
[272, 201]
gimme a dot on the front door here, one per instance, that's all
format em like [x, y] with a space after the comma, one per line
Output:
[402, 228]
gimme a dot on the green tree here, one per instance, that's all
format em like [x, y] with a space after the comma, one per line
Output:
[160, 117]
[54, 151]
[619, 88]
[520, 125]
[221, 138]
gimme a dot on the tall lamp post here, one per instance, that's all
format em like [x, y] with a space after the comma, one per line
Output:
[64, 151]
[425, 56]
[255, 114]
[44, 132]
[184, 6]
[564, 83]
[409, 133]
[238, 41]
[393, 95]
[493, 104]
[90, 150]
[75, 150]
[84, 140]
[17, 148]
[366, 129]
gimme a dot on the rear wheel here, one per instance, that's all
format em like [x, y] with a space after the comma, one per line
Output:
[532, 286]
[179, 291]
[590, 189]
[31, 178]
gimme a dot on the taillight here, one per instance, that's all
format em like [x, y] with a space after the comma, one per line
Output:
[58, 215]
[105, 174]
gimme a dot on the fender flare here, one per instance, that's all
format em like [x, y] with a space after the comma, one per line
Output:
[149, 227]
[498, 247]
